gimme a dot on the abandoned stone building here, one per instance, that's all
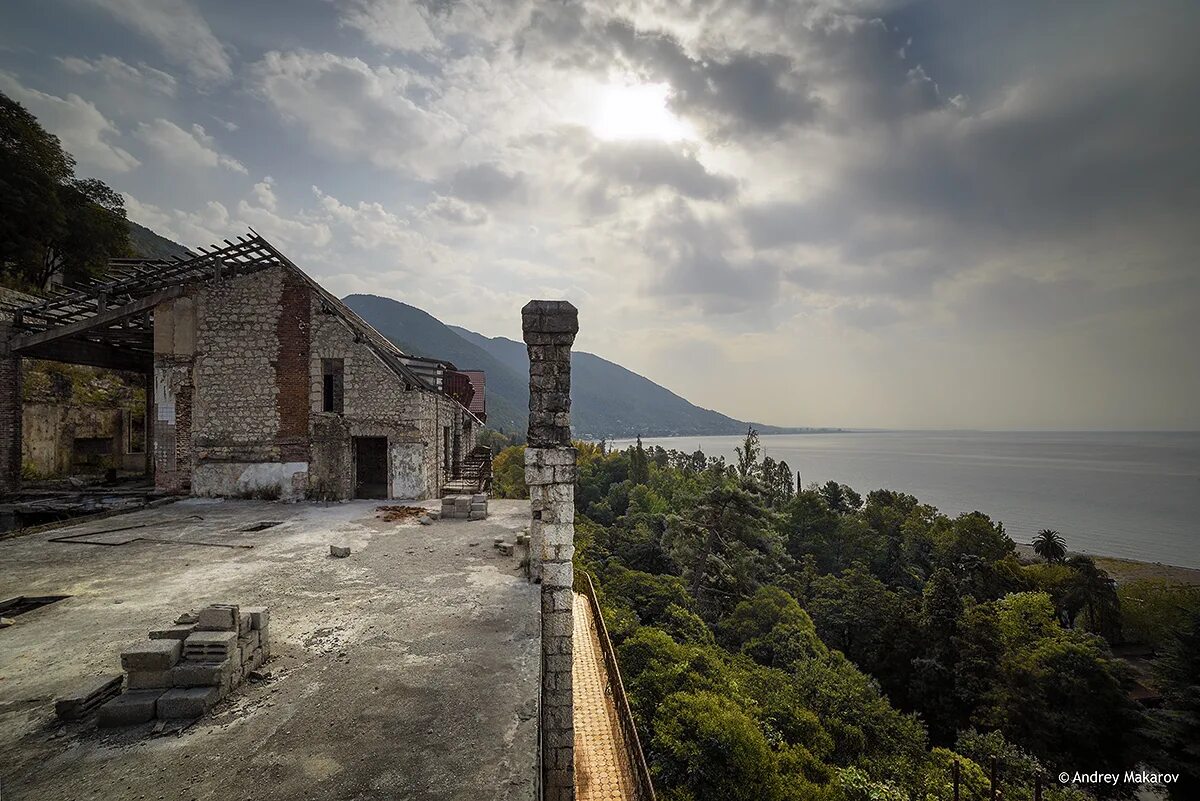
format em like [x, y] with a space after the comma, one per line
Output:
[260, 382]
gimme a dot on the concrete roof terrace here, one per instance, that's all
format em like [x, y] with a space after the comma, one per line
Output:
[408, 670]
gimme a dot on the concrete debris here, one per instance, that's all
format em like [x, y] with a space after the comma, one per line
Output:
[425, 520]
[218, 617]
[210, 646]
[340, 551]
[170, 677]
[173, 632]
[138, 706]
[392, 514]
[151, 655]
[87, 697]
[186, 619]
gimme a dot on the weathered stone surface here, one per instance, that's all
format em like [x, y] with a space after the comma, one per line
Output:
[339, 551]
[87, 696]
[202, 674]
[130, 709]
[177, 632]
[151, 655]
[260, 616]
[149, 679]
[218, 617]
[187, 702]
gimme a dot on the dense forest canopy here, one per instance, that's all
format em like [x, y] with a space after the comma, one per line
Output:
[816, 644]
[50, 220]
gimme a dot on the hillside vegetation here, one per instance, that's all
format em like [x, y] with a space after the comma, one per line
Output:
[817, 644]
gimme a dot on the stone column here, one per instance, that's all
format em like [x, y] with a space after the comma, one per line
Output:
[549, 329]
[10, 412]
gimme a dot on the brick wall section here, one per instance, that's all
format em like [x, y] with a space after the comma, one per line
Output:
[10, 413]
[291, 368]
[549, 329]
[172, 424]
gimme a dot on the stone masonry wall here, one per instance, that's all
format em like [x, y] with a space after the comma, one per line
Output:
[549, 329]
[376, 403]
[237, 343]
[10, 413]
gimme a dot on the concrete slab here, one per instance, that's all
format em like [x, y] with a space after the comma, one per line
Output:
[382, 674]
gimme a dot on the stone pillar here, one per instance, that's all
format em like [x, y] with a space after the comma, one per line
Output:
[549, 330]
[10, 412]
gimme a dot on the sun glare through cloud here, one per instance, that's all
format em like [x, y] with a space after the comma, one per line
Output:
[637, 111]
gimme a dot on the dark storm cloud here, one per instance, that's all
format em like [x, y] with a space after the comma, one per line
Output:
[736, 93]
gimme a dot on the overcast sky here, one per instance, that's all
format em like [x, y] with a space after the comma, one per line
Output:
[850, 214]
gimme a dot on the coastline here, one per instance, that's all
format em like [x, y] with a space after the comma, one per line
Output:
[1124, 570]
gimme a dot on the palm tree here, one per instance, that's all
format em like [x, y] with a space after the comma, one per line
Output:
[1050, 545]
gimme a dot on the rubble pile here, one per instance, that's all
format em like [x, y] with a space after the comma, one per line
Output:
[181, 671]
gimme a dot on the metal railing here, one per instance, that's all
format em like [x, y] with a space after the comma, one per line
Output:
[644, 787]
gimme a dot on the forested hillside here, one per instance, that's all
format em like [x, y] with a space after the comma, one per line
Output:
[821, 645]
[608, 401]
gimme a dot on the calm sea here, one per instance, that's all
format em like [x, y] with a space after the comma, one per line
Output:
[1128, 494]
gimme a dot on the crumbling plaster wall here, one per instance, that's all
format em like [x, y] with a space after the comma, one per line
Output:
[50, 430]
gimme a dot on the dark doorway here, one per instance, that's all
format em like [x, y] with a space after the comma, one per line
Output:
[370, 467]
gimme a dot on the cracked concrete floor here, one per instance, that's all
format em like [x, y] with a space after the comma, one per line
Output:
[408, 670]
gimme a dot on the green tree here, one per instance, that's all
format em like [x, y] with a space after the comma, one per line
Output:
[1175, 727]
[747, 455]
[508, 473]
[639, 464]
[840, 497]
[1094, 593]
[725, 545]
[707, 745]
[49, 219]
[1050, 545]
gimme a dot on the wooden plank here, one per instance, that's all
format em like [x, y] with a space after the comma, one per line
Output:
[101, 319]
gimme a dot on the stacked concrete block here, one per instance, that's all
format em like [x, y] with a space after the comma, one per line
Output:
[88, 697]
[549, 329]
[465, 507]
[181, 671]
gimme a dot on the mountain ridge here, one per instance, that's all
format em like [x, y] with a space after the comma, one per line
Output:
[607, 400]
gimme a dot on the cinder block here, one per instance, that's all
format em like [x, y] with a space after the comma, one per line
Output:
[339, 551]
[129, 709]
[88, 696]
[151, 655]
[210, 646]
[189, 702]
[243, 623]
[473, 515]
[260, 616]
[505, 548]
[149, 679]
[218, 617]
[179, 632]
[201, 674]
